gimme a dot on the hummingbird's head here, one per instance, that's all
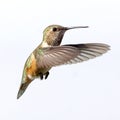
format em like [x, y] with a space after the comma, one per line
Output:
[53, 34]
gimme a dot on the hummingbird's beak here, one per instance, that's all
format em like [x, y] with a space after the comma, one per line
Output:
[68, 28]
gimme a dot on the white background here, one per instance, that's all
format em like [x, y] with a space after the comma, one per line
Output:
[85, 91]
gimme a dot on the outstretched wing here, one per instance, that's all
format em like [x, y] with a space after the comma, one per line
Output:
[68, 54]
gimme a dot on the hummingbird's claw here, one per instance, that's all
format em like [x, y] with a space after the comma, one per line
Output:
[41, 76]
[46, 74]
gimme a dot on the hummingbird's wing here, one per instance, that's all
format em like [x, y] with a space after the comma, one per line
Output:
[68, 54]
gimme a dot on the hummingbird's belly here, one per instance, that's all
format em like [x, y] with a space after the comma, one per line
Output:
[32, 69]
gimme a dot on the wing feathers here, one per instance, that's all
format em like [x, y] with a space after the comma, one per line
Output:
[68, 54]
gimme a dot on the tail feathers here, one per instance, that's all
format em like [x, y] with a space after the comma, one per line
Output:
[22, 89]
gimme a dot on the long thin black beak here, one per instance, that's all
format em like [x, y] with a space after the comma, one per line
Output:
[68, 28]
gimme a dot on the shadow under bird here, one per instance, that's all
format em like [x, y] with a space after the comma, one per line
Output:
[50, 53]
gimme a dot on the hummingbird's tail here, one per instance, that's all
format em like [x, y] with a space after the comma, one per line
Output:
[22, 88]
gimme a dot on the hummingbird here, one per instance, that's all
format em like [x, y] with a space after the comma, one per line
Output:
[50, 54]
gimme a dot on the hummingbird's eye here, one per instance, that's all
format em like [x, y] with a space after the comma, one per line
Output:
[54, 29]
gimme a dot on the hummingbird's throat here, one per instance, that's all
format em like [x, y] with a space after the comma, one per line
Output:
[57, 41]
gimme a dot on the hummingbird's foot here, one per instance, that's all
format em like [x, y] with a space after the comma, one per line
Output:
[46, 74]
[41, 76]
